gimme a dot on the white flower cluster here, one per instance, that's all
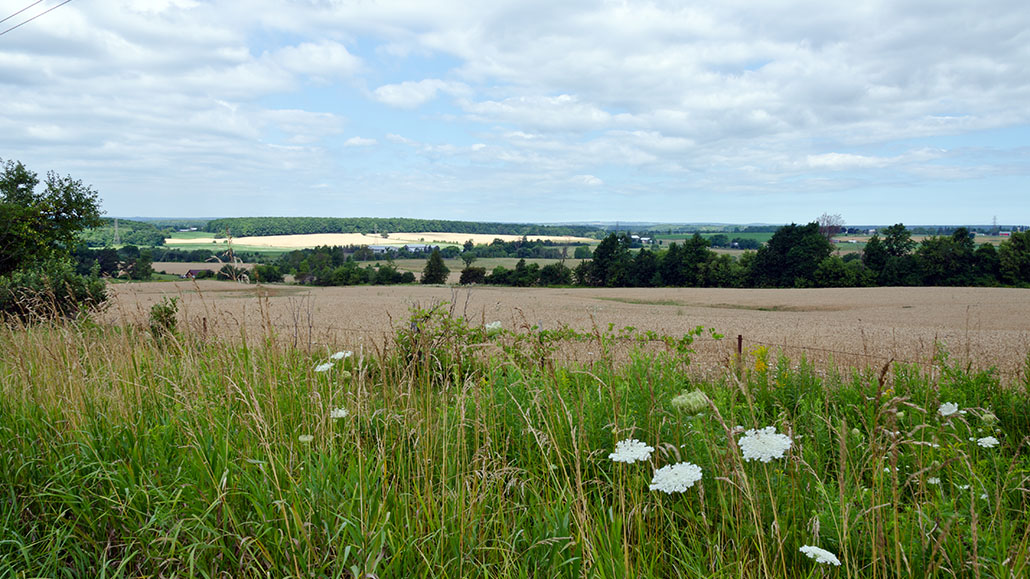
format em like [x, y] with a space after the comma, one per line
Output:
[820, 555]
[631, 450]
[764, 444]
[987, 442]
[337, 413]
[675, 478]
[326, 366]
[690, 402]
[949, 409]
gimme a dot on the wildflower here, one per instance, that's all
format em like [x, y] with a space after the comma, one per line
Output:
[900, 414]
[341, 355]
[989, 418]
[820, 555]
[948, 409]
[631, 450]
[492, 327]
[987, 442]
[764, 444]
[338, 413]
[323, 367]
[675, 478]
[963, 487]
[933, 481]
[305, 438]
[691, 402]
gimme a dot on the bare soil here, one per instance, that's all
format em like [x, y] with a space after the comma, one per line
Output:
[856, 327]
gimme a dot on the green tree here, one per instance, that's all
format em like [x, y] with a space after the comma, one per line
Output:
[38, 230]
[555, 274]
[611, 263]
[435, 271]
[1014, 259]
[897, 240]
[791, 257]
[471, 275]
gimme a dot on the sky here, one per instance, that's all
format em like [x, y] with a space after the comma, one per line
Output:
[728, 111]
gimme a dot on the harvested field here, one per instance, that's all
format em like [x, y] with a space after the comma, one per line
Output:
[863, 327]
[317, 239]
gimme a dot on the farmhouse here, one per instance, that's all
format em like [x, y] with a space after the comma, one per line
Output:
[381, 249]
[195, 273]
[420, 247]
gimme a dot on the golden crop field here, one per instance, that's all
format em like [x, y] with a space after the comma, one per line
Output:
[860, 327]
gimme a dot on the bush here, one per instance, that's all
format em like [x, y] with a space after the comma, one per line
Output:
[51, 290]
[471, 275]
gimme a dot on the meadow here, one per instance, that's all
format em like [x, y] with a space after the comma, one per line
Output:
[462, 444]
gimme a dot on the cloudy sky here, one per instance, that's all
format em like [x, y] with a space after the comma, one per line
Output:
[690, 111]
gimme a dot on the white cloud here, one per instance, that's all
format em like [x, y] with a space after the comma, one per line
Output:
[409, 95]
[588, 180]
[359, 142]
[663, 99]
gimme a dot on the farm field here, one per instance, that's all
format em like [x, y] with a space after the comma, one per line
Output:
[855, 326]
[287, 242]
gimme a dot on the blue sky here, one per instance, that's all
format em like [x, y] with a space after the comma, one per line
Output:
[725, 111]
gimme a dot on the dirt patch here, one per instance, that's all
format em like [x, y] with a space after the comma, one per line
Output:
[864, 327]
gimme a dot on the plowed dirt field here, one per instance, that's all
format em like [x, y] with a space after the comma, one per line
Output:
[860, 327]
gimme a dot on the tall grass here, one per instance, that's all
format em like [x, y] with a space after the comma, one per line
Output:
[130, 453]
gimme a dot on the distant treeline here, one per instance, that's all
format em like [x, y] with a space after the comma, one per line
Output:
[129, 233]
[796, 256]
[801, 256]
[252, 226]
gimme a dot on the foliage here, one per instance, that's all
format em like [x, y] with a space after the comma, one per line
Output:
[472, 275]
[435, 271]
[129, 232]
[38, 229]
[50, 289]
[163, 323]
[1014, 259]
[791, 257]
[40, 225]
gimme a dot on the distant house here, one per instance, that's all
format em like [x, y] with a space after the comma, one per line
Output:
[195, 273]
[381, 249]
[420, 247]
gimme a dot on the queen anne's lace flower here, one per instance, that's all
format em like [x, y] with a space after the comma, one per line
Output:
[691, 402]
[305, 438]
[631, 450]
[341, 355]
[987, 442]
[820, 555]
[338, 413]
[323, 367]
[764, 444]
[675, 478]
[948, 409]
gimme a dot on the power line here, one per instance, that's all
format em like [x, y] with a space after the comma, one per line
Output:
[20, 11]
[33, 18]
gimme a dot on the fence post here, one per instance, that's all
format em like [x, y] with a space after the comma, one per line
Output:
[740, 356]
